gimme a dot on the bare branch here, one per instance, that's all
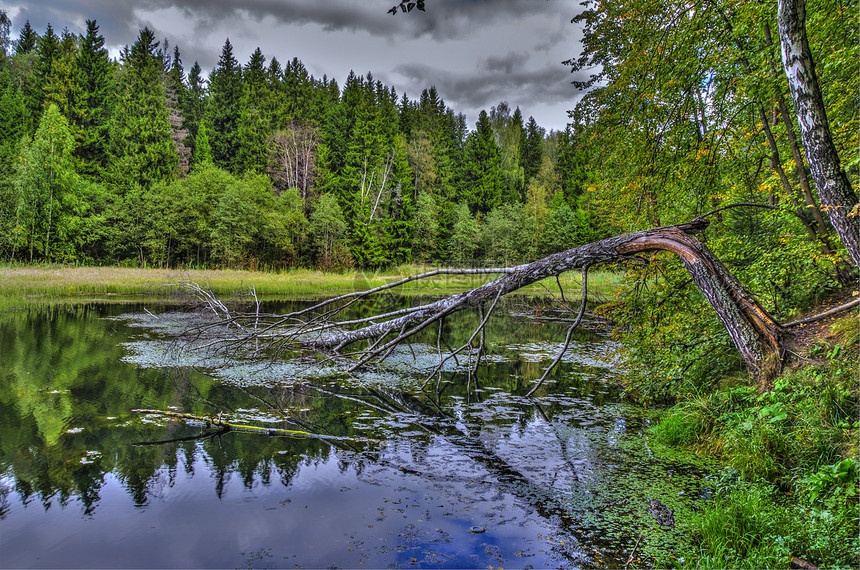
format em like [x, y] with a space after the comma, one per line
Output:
[569, 332]
[829, 313]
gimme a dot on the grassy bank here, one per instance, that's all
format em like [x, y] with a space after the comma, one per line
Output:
[22, 286]
[790, 483]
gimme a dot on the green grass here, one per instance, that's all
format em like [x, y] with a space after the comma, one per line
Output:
[22, 286]
[791, 482]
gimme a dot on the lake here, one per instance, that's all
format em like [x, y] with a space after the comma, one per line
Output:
[468, 473]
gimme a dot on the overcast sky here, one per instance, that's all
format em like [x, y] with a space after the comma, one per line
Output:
[476, 52]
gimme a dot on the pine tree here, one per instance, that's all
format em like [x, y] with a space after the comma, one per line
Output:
[522, 142]
[253, 124]
[408, 116]
[13, 116]
[94, 75]
[298, 89]
[275, 99]
[570, 164]
[27, 39]
[141, 149]
[482, 187]
[62, 86]
[399, 209]
[534, 151]
[46, 52]
[224, 110]
[13, 120]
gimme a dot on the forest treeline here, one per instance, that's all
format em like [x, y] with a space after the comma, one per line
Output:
[136, 161]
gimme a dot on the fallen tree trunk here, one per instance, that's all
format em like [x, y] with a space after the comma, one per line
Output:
[757, 336]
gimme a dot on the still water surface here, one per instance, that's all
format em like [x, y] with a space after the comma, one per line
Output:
[467, 474]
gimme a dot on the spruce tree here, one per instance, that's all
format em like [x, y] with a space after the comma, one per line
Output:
[533, 155]
[224, 110]
[253, 124]
[482, 184]
[95, 77]
[62, 86]
[141, 149]
[27, 39]
[46, 52]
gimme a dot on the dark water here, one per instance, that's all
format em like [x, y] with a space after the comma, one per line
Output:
[466, 474]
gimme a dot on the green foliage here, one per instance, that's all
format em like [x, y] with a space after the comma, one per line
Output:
[252, 225]
[425, 228]
[791, 487]
[532, 157]
[202, 149]
[463, 243]
[45, 175]
[749, 525]
[505, 235]
[141, 148]
[224, 110]
[561, 230]
[27, 39]
[743, 528]
[329, 230]
[482, 184]
[833, 486]
[95, 77]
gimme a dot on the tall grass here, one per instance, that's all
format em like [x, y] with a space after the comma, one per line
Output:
[21, 286]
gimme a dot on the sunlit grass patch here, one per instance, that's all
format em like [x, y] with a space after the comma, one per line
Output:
[22, 286]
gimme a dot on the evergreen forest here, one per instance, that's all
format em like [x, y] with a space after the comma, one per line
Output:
[138, 161]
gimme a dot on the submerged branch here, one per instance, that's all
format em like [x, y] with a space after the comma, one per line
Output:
[569, 332]
[230, 426]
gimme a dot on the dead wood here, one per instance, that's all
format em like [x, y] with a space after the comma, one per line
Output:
[756, 335]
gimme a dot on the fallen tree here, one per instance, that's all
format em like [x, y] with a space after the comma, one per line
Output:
[758, 337]
[754, 332]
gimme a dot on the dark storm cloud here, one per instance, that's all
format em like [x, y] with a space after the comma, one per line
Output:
[471, 92]
[507, 64]
[443, 19]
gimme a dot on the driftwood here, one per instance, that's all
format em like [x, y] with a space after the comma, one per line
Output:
[829, 313]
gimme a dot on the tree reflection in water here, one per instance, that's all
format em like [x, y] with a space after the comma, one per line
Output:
[68, 437]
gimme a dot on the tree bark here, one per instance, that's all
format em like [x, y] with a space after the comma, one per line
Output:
[834, 188]
[799, 168]
[757, 336]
